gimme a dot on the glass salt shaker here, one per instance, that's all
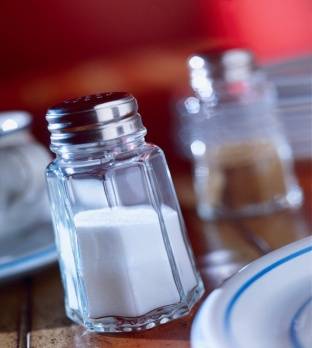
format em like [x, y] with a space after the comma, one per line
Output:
[243, 164]
[125, 260]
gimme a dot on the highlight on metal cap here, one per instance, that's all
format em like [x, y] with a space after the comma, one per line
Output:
[93, 118]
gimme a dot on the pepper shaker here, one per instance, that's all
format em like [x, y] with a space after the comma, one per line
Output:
[243, 164]
[125, 260]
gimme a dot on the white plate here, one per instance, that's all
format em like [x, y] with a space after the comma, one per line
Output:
[268, 304]
[27, 251]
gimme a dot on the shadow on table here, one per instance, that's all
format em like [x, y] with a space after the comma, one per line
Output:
[223, 247]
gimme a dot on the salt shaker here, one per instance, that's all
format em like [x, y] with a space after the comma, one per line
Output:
[243, 164]
[125, 260]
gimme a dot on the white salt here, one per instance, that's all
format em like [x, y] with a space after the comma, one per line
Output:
[123, 260]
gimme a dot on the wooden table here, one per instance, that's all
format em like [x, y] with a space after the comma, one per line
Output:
[32, 311]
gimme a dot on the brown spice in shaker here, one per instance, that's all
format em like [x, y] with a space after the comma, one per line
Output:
[245, 174]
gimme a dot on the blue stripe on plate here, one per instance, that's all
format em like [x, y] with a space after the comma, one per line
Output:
[292, 331]
[29, 258]
[248, 283]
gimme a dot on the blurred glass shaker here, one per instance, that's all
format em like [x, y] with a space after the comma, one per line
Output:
[243, 164]
[23, 197]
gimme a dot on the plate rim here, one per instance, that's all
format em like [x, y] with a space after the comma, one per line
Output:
[241, 277]
[27, 263]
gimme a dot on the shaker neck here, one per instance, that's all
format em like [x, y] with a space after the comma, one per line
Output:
[122, 146]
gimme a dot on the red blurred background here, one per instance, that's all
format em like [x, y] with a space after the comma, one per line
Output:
[51, 50]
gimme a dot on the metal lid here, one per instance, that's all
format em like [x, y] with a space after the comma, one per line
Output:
[229, 65]
[13, 121]
[94, 118]
[219, 63]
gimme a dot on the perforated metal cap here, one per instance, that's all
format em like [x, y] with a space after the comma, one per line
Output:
[99, 117]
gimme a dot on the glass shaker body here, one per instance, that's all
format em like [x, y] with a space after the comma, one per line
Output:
[243, 164]
[125, 259]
